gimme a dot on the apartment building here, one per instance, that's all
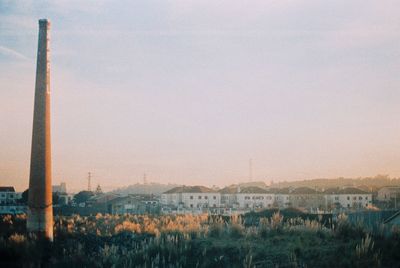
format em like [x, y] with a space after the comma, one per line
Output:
[348, 198]
[191, 197]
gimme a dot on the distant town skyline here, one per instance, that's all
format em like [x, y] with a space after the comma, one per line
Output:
[188, 91]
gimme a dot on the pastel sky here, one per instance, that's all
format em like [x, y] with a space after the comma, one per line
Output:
[188, 91]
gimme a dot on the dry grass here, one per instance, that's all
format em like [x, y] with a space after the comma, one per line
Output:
[201, 240]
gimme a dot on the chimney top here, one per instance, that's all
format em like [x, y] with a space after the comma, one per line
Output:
[44, 22]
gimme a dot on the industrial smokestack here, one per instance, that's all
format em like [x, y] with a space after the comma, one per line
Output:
[40, 205]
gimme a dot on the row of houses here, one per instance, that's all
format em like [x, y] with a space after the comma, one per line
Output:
[200, 198]
[203, 199]
[10, 201]
[388, 194]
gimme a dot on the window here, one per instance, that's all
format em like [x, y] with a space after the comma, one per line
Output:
[348, 198]
[191, 197]
[366, 198]
[354, 197]
[199, 196]
[360, 198]
[191, 205]
[336, 197]
[214, 197]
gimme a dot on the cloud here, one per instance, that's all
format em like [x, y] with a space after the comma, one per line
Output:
[10, 53]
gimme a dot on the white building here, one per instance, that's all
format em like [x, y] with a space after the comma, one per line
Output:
[228, 196]
[348, 198]
[136, 204]
[192, 198]
[8, 195]
[388, 193]
[240, 199]
[247, 198]
[9, 201]
[282, 198]
[61, 188]
[254, 198]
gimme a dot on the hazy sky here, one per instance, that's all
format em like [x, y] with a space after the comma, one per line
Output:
[188, 91]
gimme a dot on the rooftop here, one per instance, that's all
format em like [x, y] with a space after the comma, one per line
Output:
[390, 187]
[253, 190]
[7, 189]
[352, 190]
[332, 191]
[233, 189]
[190, 189]
[279, 190]
[304, 190]
[229, 189]
[348, 190]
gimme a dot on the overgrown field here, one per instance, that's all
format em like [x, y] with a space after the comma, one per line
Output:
[199, 241]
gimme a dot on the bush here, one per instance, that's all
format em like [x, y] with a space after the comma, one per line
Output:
[198, 241]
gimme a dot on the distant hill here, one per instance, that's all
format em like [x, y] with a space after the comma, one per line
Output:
[148, 188]
[369, 183]
[253, 184]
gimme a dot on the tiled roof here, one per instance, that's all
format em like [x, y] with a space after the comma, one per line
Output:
[279, 190]
[190, 189]
[390, 187]
[7, 189]
[304, 190]
[332, 191]
[233, 189]
[118, 199]
[368, 188]
[229, 190]
[136, 198]
[348, 190]
[352, 190]
[253, 190]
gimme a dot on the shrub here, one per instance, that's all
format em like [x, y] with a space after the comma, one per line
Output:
[216, 227]
[236, 228]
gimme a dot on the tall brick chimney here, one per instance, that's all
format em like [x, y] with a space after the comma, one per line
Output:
[40, 205]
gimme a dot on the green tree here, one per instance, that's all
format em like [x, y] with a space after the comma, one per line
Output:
[83, 196]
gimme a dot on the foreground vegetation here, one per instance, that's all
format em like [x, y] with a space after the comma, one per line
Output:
[200, 241]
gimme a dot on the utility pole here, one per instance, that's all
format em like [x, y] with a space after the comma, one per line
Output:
[89, 180]
[250, 170]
